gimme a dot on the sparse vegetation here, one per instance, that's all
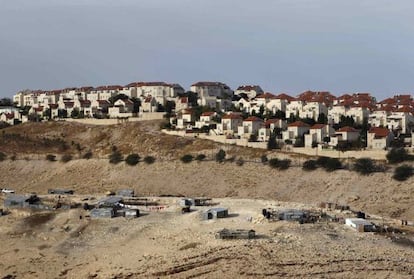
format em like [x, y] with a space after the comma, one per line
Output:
[279, 164]
[398, 155]
[66, 158]
[149, 160]
[310, 165]
[333, 164]
[87, 155]
[364, 166]
[51, 157]
[240, 162]
[116, 156]
[132, 159]
[403, 172]
[220, 156]
[264, 159]
[2, 156]
[200, 157]
[188, 158]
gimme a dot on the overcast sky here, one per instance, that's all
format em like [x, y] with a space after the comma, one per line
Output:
[282, 45]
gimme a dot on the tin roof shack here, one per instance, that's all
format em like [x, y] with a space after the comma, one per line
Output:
[127, 213]
[60, 191]
[110, 202]
[102, 213]
[214, 213]
[360, 224]
[294, 215]
[202, 201]
[125, 193]
[22, 201]
[235, 234]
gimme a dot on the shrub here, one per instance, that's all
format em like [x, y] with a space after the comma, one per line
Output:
[51, 157]
[2, 156]
[200, 157]
[240, 162]
[403, 172]
[188, 158]
[321, 161]
[264, 159]
[364, 166]
[87, 155]
[279, 164]
[66, 158]
[333, 164]
[132, 159]
[149, 160]
[397, 155]
[220, 156]
[115, 157]
[310, 165]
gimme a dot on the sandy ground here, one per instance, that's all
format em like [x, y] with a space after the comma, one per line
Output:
[167, 243]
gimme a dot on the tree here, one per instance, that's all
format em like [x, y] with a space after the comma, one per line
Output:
[137, 104]
[220, 156]
[115, 156]
[75, 113]
[280, 114]
[62, 113]
[397, 155]
[310, 165]
[333, 164]
[322, 118]
[200, 157]
[132, 159]
[7, 102]
[279, 164]
[188, 158]
[149, 160]
[66, 158]
[403, 172]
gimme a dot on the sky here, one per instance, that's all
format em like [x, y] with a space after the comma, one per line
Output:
[282, 45]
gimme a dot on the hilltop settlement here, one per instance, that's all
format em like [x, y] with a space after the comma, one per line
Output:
[311, 119]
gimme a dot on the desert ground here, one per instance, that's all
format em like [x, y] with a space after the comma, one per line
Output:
[167, 243]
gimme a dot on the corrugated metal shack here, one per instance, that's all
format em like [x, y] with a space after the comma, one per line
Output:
[111, 202]
[128, 213]
[360, 224]
[292, 215]
[60, 191]
[23, 201]
[235, 234]
[125, 193]
[102, 213]
[214, 213]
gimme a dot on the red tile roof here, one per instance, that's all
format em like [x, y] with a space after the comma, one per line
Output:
[298, 124]
[347, 129]
[284, 96]
[318, 126]
[208, 113]
[379, 132]
[266, 95]
[232, 116]
[253, 119]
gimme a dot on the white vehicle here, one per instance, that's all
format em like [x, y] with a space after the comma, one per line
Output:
[7, 191]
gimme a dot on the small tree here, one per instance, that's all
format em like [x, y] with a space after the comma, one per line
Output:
[397, 155]
[2, 156]
[132, 159]
[66, 158]
[149, 160]
[220, 156]
[188, 158]
[364, 166]
[200, 157]
[333, 164]
[403, 172]
[279, 164]
[310, 165]
[51, 157]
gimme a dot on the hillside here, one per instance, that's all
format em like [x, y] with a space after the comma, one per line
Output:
[29, 172]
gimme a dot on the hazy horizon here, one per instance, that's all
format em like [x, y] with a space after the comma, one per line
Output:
[281, 45]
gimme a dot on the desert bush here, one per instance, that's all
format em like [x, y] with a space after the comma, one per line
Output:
[398, 155]
[2, 156]
[115, 157]
[87, 155]
[365, 166]
[321, 161]
[264, 159]
[200, 157]
[51, 157]
[240, 162]
[220, 156]
[310, 165]
[188, 158]
[333, 164]
[279, 164]
[66, 158]
[403, 172]
[132, 159]
[149, 160]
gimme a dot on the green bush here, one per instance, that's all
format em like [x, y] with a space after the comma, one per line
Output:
[2, 156]
[398, 155]
[310, 165]
[403, 172]
[188, 158]
[149, 160]
[279, 164]
[200, 157]
[322, 161]
[66, 158]
[220, 156]
[364, 166]
[115, 157]
[132, 159]
[51, 157]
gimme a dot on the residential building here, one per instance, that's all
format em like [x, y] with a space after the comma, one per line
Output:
[379, 138]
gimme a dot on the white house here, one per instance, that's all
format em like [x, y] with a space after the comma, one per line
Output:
[211, 89]
[379, 138]
[250, 126]
[251, 91]
[317, 133]
[230, 123]
[206, 119]
[359, 224]
[295, 130]
[348, 134]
